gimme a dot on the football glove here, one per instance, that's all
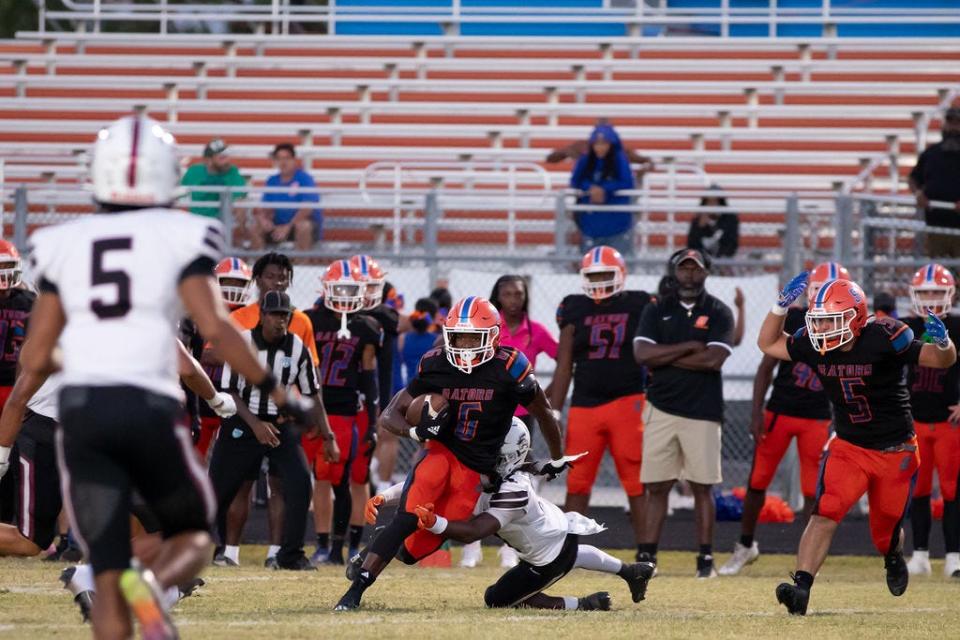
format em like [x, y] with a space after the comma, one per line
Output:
[553, 468]
[430, 424]
[223, 404]
[372, 509]
[936, 330]
[793, 290]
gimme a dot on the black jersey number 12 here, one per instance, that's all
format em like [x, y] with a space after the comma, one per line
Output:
[116, 277]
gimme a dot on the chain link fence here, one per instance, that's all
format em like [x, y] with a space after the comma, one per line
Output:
[877, 237]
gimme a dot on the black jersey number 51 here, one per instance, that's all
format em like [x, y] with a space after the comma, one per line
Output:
[117, 277]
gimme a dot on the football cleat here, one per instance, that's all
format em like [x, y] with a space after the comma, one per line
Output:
[637, 576]
[793, 598]
[351, 599]
[82, 597]
[898, 577]
[271, 563]
[919, 564]
[354, 564]
[472, 555]
[320, 556]
[705, 567]
[951, 565]
[302, 564]
[188, 589]
[221, 560]
[140, 591]
[643, 556]
[599, 601]
[742, 556]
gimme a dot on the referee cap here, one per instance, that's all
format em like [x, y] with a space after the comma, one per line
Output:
[275, 302]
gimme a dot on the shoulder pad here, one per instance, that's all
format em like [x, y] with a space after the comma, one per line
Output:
[516, 364]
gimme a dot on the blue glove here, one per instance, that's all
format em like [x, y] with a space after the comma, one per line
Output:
[936, 330]
[793, 290]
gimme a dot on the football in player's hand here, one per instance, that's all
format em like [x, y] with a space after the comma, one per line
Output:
[415, 412]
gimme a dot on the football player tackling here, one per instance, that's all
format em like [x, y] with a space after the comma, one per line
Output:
[860, 363]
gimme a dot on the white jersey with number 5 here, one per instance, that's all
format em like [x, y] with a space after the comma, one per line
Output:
[117, 277]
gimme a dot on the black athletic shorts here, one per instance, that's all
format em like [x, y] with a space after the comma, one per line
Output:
[118, 440]
[38, 480]
[525, 579]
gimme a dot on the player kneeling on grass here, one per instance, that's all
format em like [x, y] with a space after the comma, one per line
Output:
[860, 363]
[546, 539]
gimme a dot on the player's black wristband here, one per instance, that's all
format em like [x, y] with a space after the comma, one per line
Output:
[268, 384]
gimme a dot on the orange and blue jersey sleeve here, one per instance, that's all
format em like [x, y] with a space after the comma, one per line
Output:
[899, 340]
[518, 366]
[799, 347]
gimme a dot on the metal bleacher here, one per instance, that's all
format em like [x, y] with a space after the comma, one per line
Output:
[756, 115]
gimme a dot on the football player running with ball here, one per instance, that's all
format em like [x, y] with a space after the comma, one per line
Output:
[483, 383]
[547, 540]
[860, 363]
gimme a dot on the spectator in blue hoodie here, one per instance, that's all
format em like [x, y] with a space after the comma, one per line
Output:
[599, 174]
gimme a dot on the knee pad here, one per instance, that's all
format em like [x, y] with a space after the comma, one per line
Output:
[490, 598]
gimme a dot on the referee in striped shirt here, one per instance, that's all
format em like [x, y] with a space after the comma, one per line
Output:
[258, 429]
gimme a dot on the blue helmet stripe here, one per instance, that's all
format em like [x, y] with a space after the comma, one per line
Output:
[363, 265]
[833, 270]
[345, 268]
[929, 277]
[465, 309]
[596, 255]
[236, 264]
[823, 291]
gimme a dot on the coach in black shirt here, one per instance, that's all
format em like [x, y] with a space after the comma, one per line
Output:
[260, 430]
[937, 177]
[684, 340]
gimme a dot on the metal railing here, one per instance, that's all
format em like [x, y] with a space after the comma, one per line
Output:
[280, 15]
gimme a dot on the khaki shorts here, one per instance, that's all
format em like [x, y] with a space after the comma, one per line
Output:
[675, 447]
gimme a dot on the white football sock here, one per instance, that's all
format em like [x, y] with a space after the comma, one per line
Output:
[273, 550]
[82, 580]
[232, 552]
[170, 597]
[592, 559]
[570, 603]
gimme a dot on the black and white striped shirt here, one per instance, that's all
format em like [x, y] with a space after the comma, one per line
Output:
[291, 364]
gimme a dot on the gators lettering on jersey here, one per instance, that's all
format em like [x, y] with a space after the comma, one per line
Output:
[341, 359]
[14, 316]
[797, 390]
[934, 391]
[116, 276]
[866, 385]
[603, 364]
[482, 403]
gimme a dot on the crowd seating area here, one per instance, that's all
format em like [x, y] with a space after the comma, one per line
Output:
[753, 116]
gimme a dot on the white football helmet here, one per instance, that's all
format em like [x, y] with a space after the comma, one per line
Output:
[513, 451]
[135, 163]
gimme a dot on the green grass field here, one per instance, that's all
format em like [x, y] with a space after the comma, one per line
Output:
[850, 601]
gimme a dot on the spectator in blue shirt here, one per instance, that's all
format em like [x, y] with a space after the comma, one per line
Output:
[302, 224]
[599, 174]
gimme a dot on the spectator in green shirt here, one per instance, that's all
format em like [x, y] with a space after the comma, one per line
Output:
[216, 170]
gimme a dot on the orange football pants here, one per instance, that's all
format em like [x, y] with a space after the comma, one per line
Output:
[345, 433]
[451, 486]
[849, 471]
[778, 431]
[617, 425]
[940, 450]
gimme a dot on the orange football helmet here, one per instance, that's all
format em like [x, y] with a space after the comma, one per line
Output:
[376, 277]
[10, 265]
[837, 315]
[472, 317]
[932, 288]
[343, 287]
[603, 260]
[823, 273]
[234, 278]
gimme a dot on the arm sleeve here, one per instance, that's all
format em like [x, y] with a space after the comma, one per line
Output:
[648, 330]
[721, 328]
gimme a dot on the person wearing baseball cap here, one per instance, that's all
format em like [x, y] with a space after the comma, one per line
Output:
[936, 178]
[684, 339]
[216, 170]
[259, 429]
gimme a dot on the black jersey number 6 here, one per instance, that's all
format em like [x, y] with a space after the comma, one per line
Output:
[116, 277]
